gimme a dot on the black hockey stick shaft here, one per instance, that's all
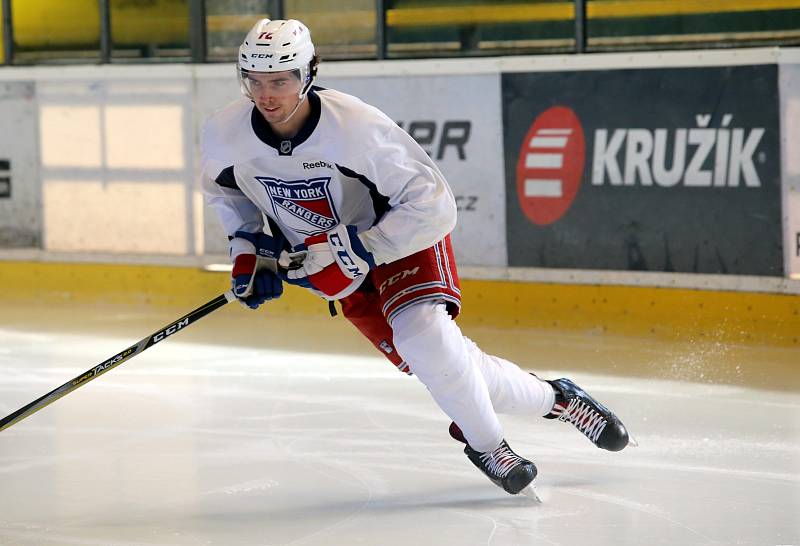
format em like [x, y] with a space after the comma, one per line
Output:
[116, 360]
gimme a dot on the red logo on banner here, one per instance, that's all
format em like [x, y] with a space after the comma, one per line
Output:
[550, 165]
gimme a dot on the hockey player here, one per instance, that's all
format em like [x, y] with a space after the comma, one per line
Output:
[352, 208]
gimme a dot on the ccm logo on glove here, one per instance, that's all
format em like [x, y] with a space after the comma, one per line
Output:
[335, 260]
[346, 262]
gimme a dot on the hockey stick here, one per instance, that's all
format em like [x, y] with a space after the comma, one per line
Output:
[116, 360]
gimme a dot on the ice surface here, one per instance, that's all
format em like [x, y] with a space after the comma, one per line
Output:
[268, 435]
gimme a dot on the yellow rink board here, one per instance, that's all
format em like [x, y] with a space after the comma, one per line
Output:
[662, 313]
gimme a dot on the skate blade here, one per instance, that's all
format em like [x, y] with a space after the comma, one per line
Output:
[530, 492]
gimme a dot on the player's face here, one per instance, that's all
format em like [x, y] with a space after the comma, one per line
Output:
[275, 93]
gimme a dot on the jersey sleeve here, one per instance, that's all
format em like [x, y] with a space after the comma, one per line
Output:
[233, 208]
[422, 207]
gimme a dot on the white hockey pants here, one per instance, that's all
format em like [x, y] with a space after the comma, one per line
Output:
[470, 386]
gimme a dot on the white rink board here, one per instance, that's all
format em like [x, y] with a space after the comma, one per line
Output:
[20, 214]
[444, 104]
[171, 221]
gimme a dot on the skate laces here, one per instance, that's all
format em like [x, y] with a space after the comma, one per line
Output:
[587, 420]
[500, 461]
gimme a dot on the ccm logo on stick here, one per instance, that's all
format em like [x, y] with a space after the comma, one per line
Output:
[170, 330]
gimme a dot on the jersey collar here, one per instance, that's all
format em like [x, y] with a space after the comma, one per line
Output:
[284, 146]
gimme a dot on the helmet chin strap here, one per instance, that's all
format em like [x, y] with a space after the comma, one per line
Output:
[294, 110]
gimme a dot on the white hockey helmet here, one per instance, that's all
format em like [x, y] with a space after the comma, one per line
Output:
[278, 46]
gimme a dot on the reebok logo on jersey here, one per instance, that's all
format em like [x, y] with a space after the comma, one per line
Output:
[317, 165]
[304, 206]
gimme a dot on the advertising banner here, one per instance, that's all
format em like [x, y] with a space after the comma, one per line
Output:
[674, 169]
[20, 189]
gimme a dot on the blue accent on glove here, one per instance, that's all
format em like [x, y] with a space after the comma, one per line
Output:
[358, 246]
[302, 282]
[266, 286]
[267, 246]
[252, 285]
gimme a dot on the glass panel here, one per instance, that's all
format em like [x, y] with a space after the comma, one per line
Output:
[56, 31]
[152, 29]
[229, 20]
[671, 24]
[419, 28]
[341, 29]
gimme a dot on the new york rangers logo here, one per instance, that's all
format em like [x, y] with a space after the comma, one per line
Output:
[304, 206]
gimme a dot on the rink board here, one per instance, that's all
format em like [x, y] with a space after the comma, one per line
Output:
[662, 313]
[84, 172]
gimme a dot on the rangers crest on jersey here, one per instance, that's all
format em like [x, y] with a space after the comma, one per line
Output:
[304, 206]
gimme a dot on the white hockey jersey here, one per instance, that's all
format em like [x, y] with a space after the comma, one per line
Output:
[350, 164]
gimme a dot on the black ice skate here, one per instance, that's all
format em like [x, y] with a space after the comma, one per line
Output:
[504, 467]
[593, 419]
